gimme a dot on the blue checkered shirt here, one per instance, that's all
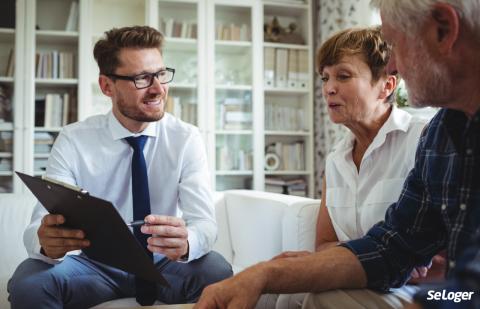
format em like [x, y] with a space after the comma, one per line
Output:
[439, 207]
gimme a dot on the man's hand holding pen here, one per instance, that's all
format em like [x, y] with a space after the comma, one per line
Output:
[169, 236]
[56, 240]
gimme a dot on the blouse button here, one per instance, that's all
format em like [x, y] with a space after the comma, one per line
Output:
[444, 206]
[451, 264]
[463, 206]
[469, 151]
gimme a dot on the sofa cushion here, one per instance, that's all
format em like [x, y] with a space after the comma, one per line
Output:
[15, 213]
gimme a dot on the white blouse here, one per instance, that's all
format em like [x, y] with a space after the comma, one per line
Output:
[356, 200]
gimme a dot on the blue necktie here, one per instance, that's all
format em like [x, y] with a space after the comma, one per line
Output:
[145, 290]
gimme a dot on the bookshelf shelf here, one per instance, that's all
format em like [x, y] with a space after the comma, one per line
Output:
[287, 133]
[234, 132]
[287, 46]
[56, 81]
[234, 87]
[286, 91]
[6, 126]
[234, 173]
[181, 44]
[7, 34]
[183, 86]
[233, 47]
[287, 173]
[293, 8]
[41, 155]
[56, 37]
[5, 155]
[47, 129]
[6, 79]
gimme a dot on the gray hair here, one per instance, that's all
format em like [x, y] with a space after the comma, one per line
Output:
[408, 14]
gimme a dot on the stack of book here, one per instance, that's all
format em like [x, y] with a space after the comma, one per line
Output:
[234, 159]
[286, 68]
[187, 111]
[178, 29]
[53, 110]
[296, 186]
[54, 64]
[287, 118]
[43, 142]
[6, 164]
[235, 114]
[232, 32]
[6, 141]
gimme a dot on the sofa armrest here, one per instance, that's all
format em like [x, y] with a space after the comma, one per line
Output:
[299, 226]
[256, 223]
[223, 244]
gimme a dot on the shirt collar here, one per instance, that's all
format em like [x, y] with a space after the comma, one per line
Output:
[118, 131]
[398, 120]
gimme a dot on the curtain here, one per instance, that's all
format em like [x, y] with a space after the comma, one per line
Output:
[331, 16]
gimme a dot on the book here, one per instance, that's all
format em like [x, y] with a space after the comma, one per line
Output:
[269, 66]
[292, 76]
[303, 78]
[281, 67]
[11, 63]
[72, 21]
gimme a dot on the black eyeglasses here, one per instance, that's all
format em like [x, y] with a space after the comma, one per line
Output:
[145, 80]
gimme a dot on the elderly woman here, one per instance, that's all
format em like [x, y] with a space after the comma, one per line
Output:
[365, 172]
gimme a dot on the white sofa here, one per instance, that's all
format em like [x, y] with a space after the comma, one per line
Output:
[252, 226]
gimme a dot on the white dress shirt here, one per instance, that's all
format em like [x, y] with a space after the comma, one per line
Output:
[93, 155]
[356, 200]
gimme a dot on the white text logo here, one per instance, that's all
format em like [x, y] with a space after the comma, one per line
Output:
[444, 295]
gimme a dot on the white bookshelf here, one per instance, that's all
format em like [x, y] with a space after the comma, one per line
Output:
[10, 42]
[218, 85]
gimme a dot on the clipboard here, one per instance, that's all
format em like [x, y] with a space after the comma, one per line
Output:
[111, 241]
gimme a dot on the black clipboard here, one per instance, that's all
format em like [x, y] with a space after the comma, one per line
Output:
[111, 241]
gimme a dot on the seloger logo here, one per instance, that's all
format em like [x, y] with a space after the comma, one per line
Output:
[444, 295]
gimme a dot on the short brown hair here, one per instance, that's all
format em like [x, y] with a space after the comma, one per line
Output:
[367, 42]
[106, 49]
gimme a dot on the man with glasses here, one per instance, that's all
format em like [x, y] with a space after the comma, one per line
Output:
[151, 166]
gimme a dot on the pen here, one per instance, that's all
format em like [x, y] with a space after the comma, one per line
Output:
[136, 223]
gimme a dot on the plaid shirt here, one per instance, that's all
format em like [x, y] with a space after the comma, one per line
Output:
[439, 206]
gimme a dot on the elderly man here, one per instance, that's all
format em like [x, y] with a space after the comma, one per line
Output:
[435, 49]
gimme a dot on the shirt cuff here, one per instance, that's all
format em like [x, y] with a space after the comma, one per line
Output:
[194, 249]
[372, 262]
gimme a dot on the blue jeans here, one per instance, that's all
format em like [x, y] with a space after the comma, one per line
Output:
[79, 282]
